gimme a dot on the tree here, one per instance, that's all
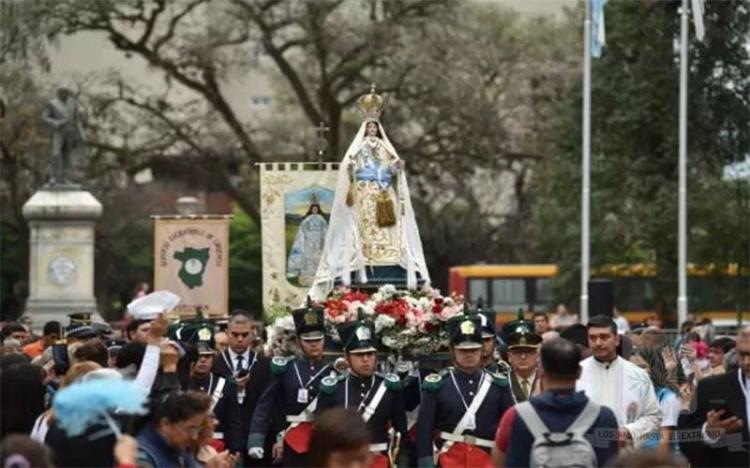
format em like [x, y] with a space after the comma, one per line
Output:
[634, 148]
[323, 57]
[471, 85]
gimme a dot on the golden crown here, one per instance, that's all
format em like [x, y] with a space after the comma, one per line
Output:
[371, 105]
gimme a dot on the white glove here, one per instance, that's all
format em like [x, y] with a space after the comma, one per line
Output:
[255, 452]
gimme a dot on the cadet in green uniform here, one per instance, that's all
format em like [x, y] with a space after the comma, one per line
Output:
[377, 397]
[461, 405]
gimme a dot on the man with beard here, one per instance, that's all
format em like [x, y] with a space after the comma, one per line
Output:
[294, 387]
[377, 397]
[462, 404]
[610, 380]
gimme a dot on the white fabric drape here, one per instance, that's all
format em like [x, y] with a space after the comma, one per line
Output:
[342, 253]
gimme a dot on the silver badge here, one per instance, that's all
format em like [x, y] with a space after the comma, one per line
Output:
[363, 333]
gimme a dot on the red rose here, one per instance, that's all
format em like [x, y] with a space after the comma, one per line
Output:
[396, 309]
[355, 296]
[334, 307]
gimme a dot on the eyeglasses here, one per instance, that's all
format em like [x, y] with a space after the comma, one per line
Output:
[193, 431]
[239, 335]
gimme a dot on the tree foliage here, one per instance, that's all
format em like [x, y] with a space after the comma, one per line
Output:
[635, 149]
[470, 86]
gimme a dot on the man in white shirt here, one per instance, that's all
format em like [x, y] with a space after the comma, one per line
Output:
[624, 387]
[249, 370]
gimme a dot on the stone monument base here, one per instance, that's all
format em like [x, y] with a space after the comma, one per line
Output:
[61, 253]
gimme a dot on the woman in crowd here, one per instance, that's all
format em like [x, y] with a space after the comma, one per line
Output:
[22, 397]
[174, 435]
[20, 451]
[667, 394]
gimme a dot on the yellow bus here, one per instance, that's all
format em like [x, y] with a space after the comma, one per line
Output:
[719, 293]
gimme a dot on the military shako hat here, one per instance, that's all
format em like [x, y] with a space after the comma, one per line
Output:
[357, 336]
[486, 315]
[309, 322]
[198, 331]
[465, 331]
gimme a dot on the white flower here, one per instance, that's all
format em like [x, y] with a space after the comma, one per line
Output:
[285, 323]
[369, 308]
[388, 289]
[382, 322]
[412, 301]
[386, 292]
[353, 308]
[389, 341]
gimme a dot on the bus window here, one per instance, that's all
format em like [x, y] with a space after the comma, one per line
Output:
[478, 288]
[508, 294]
[542, 298]
[718, 293]
[633, 293]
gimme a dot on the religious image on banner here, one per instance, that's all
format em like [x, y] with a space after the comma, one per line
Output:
[306, 215]
[296, 201]
[191, 258]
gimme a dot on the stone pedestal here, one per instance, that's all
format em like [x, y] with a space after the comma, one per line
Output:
[61, 268]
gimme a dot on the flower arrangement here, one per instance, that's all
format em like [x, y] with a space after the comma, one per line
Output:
[281, 337]
[407, 322]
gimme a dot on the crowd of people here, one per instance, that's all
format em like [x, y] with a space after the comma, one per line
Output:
[548, 391]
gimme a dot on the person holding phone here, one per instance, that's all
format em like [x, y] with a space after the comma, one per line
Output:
[250, 371]
[719, 417]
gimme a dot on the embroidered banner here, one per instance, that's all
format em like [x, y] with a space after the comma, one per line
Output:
[296, 201]
[191, 259]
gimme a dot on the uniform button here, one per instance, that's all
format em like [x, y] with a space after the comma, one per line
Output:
[471, 393]
[471, 381]
[310, 387]
[362, 385]
[312, 369]
[362, 395]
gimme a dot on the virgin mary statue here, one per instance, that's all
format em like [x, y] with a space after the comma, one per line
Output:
[372, 235]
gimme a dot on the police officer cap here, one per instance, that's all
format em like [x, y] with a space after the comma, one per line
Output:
[520, 333]
[80, 331]
[80, 318]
